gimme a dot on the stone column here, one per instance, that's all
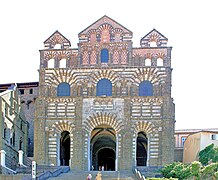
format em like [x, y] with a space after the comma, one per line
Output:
[33, 170]
[117, 156]
[89, 155]
[2, 152]
[20, 157]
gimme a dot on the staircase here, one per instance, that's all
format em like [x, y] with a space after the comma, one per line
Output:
[150, 171]
[106, 175]
[43, 171]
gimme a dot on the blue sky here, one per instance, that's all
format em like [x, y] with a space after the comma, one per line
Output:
[190, 26]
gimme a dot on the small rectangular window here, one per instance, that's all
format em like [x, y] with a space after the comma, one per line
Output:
[31, 91]
[183, 141]
[21, 91]
[214, 136]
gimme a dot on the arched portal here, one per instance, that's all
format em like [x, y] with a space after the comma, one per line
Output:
[65, 148]
[142, 148]
[103, 148]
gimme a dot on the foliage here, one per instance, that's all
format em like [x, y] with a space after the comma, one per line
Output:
[176, 170]
[209, 170]
[216, 175]
[193, 171]
[168, 168]
[161, 178]
[206, 168]
[208, 154]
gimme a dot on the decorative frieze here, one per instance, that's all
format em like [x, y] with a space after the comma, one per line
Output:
[148, 107]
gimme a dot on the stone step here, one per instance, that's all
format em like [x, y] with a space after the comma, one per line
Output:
[149, 168]
[150, 171]
[151, 175]
[106, 175]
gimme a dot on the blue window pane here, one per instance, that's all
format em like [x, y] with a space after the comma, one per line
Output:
[63, 89]
[145, 88]
[104, 56]
[104, 87]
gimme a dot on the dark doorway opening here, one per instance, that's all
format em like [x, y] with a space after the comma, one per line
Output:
[106, 159]
[141, 151]
[103, 149]
[65, 148]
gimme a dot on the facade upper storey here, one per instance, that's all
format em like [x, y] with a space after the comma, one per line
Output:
[105, 43]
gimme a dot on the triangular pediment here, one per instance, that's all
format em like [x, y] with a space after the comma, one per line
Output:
[105, 20]
[57, 38]
[154, 36]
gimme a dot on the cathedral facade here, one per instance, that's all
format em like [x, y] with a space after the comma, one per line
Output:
[105, 103]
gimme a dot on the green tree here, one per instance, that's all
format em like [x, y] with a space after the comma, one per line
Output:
[195, 169]
[176, 170]
[208, 154]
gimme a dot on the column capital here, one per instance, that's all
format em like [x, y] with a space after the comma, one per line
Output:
[20, 152]
[2, 151]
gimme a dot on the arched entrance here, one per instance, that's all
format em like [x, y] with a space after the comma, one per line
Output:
[103, 148]
[142, 148]
[65, 148]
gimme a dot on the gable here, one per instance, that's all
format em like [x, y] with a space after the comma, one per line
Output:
[105, 23]
[57, 38]
[153, 36]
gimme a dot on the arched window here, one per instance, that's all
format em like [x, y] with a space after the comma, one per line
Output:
[51, 63]
[63, 63]
[153, 44]
[63, 89]
[117, 37]
[159, 62]
[57, 46]
[145, 88]
[104, 56]
[104, 87]
[105, 36]
[147, 62]
[93, 37]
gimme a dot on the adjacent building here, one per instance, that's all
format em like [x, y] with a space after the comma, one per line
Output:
[13, 127]
[197, 142]
[180, 137]
[27, 92]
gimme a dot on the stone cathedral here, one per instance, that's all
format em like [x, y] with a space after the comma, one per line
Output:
[105, 103]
